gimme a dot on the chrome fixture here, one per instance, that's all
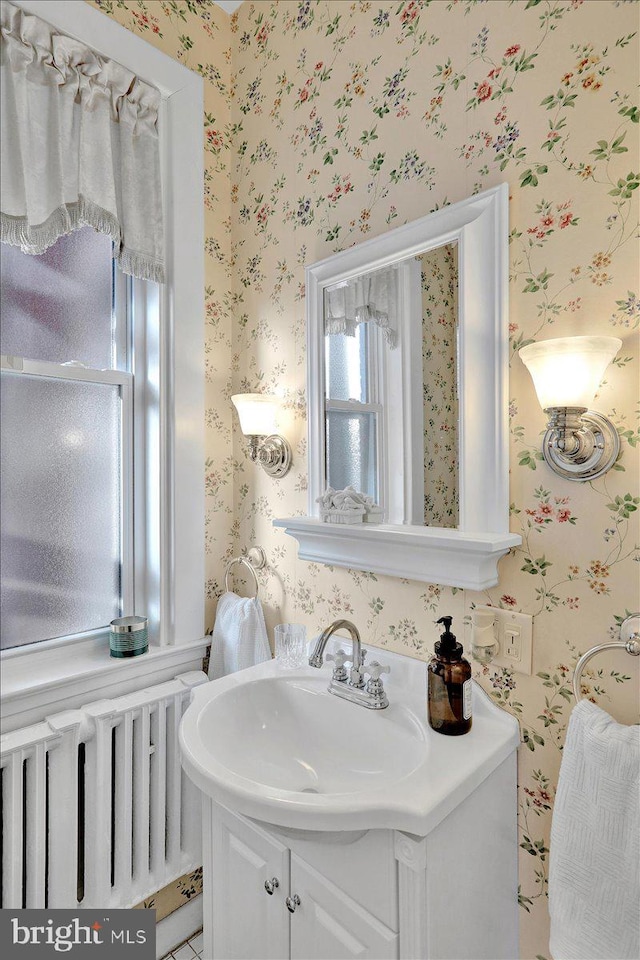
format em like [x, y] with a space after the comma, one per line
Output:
[315, 660]
[271, 885]
[254, 559]
[258, 413]
[579, 444]
[350, 685]
[292, 903]
[629, 641]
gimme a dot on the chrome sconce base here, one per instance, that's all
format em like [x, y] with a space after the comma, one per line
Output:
[273, 453]
[579, 444]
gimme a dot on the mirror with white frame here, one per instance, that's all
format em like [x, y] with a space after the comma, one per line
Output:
[407, 397]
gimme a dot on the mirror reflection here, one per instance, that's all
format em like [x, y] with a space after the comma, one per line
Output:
[391, 387]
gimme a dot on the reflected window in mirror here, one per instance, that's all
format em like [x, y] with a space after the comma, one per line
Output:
[352, 410]
[391, 411]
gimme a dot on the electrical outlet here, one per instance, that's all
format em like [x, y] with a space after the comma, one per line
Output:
[512, 643]
[514, 633]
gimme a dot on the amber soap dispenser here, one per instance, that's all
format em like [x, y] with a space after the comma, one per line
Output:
[449, 685]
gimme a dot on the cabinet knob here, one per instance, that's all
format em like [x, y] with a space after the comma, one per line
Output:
[271, 885]
[292, 903]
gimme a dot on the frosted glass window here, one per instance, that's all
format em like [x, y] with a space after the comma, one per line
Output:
[60, 503]
[58, 306]
[346, 365]
[351, 451]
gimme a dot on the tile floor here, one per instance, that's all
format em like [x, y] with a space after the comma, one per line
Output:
[191, 949]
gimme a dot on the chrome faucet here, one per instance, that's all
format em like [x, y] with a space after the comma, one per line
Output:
[351, 686]
[315, 660]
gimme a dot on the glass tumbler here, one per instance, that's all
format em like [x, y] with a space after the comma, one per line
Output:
[291, 645]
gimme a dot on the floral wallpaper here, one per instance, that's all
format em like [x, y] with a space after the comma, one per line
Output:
[329, 121]
[174, 895]
[439, 272]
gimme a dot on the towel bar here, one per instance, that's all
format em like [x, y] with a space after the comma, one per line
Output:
[629, 641]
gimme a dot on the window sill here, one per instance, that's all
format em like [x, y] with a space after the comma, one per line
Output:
[35, 685]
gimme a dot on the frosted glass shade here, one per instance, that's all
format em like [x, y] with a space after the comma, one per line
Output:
[566, 372]
[258, 413]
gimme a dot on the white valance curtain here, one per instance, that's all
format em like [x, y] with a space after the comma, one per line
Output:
[79, 146]
[372, 297]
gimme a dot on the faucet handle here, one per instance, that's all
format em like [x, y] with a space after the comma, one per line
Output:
[339, 658]
[374, 687]
[375, 669]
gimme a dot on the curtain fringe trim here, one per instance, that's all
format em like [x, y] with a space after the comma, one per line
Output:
[17, 232]
[348, 326]
[139, 265]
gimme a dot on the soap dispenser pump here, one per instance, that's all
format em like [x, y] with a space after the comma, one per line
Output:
[449, 685]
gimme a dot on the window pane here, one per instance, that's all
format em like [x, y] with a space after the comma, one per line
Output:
[351, 451]
[346, 365]
[60, 503]
[58, 306]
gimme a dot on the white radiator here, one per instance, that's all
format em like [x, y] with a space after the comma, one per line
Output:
[96, 811]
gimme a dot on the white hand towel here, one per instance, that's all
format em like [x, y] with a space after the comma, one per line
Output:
[239, 635]
[594, 871]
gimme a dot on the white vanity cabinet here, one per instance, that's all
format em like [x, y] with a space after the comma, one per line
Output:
[330, 925]
[377, 894]
[246, 921]
[241, 857]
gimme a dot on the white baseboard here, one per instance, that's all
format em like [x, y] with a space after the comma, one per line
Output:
[178, 926]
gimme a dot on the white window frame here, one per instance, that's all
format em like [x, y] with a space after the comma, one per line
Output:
[373, 405]
[169, 562]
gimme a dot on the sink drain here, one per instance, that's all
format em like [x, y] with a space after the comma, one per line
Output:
[309, 790]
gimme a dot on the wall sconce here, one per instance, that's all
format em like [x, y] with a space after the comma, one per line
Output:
[579, 444]
[258, 414]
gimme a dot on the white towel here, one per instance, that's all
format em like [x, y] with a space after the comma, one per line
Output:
[594, 881]
[239, 635]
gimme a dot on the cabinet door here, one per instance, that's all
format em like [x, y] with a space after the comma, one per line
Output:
[247, 922]
[329, 925]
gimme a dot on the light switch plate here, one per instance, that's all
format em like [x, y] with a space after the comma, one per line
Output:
[514, 633]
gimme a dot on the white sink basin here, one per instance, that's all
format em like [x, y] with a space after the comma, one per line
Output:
[292, 735]
[277, 747]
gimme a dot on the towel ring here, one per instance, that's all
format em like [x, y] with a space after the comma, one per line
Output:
[247, 564]
[629, 641]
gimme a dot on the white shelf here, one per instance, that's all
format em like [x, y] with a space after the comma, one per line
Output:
[432, 555]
